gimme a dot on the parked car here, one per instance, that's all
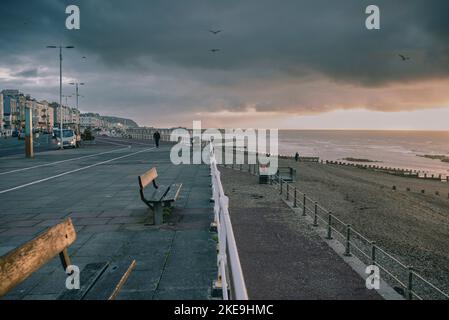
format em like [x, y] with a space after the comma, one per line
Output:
[68, 138]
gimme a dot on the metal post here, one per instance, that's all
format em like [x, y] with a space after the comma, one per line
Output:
[281, 187]
[60, 97]
[410, 284]
[373, 253]
[315, 217]
[329, 227]
[304, 205]
[288, 190]
[29, 152]
[77, 95]
[348, 241]
[295, 202]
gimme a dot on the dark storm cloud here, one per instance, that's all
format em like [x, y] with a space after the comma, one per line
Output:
[27, 73]
[264, 43]
[292, 37]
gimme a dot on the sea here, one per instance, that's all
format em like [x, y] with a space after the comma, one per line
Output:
[398, 149]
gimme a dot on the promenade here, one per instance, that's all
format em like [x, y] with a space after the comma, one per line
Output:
[283, 258]
[97, 187]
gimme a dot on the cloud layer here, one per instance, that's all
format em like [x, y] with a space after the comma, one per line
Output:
[151, 60]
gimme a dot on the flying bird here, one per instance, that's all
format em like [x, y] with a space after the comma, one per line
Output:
[214, 50]
[404, 58]
[215, 31]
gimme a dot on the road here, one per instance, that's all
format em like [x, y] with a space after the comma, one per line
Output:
[14, 146]
[97, 187]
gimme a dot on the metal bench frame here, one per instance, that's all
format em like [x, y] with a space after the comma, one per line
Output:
[162, 195]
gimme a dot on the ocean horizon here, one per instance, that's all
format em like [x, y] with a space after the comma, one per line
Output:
[407, 149]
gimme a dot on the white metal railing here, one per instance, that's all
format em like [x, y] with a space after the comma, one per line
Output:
[230, 275]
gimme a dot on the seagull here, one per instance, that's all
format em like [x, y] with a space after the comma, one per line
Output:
[404, 58]
[214, 50]
[215, 31]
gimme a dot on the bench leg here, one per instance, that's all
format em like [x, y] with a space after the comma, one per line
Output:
[65, 259]
[158, 214]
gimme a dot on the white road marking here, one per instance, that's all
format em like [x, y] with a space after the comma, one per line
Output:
[113, 143]
[133, 142]
[62, 161]
[73, 171]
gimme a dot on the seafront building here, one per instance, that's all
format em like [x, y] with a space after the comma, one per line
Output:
[96, 121]
[90, 120]
[45, 115]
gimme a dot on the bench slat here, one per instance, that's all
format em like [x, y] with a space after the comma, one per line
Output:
[147, 178]
[157, 194]
[89, 275]
[20, 263]
[173, 193]
[111, 281]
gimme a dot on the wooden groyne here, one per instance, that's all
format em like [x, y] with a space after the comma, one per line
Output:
[408, 173]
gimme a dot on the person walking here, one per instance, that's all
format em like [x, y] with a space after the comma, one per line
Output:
[78, 140]
[297, 157]
[157, 138]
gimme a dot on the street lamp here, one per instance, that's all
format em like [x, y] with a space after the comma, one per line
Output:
[60, 83]
[66, 102]
[77, 84]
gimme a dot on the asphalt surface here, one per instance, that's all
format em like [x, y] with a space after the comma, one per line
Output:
[97, 187]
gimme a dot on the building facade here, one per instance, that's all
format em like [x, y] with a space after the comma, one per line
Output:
[70, 116]
[89, 121]
[1, 113]
[14, 103]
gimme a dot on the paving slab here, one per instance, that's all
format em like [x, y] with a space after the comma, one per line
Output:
[111, 222]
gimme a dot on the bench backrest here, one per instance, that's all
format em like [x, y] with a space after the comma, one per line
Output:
[20, 263]
[285, 170]
[147, 178]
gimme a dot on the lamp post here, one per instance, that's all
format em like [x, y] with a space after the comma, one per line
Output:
[66, 106]
[77, 84]
[60, 83]
[66, 101]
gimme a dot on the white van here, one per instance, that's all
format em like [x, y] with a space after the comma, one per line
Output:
[68, 138]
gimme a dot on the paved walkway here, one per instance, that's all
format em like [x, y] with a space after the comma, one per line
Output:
[175, 261]
[282, 257]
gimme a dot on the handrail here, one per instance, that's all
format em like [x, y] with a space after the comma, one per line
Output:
[228, 256]
[389, 264]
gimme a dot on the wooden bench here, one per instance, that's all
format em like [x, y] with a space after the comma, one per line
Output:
[98, 281]
[287, 174]
[159, 196]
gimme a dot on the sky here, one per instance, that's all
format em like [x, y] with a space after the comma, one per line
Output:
[290, 64]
